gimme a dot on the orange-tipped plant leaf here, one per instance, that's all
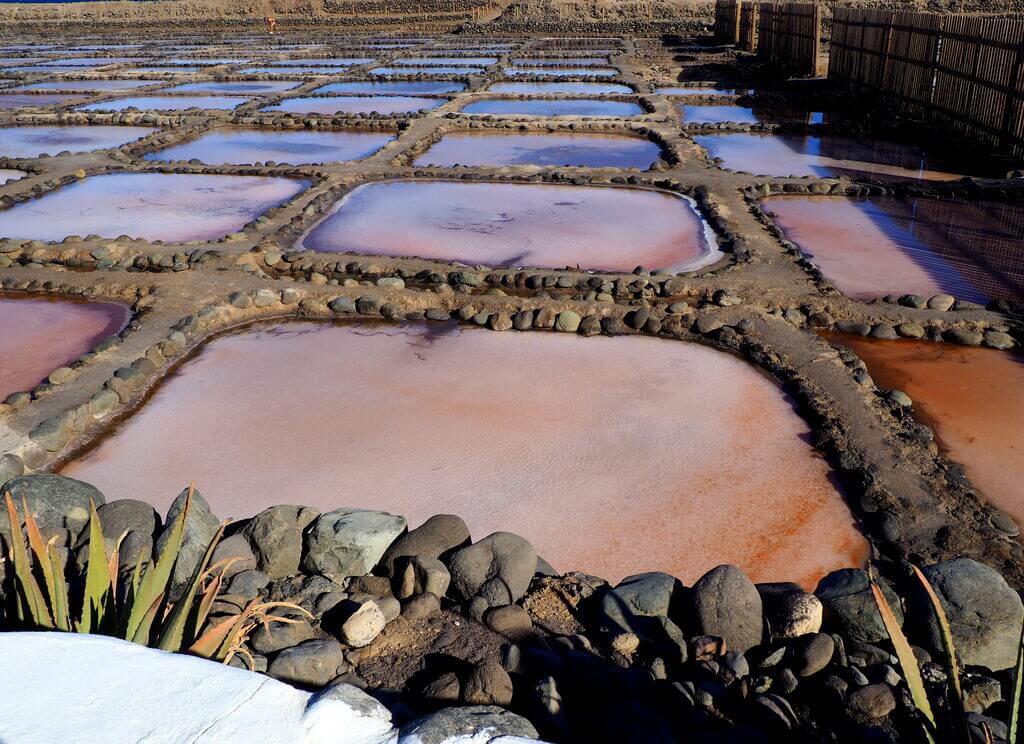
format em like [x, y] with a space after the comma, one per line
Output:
[908, 662]
[212, 639]
[39, 551]
[172, 636]
[30, 606]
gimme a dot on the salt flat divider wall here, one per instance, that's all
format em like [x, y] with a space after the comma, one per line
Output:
[748, 26]
[727, 21]
[790, 34]
[962, 71]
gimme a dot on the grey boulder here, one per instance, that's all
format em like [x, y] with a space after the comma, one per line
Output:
[436, 537]
[275, 536]
[726, 604]
[200, 527]
[54, 501]
[849, 605]
[498, 568]
[477, 721]
[310, 664]
[349, 542]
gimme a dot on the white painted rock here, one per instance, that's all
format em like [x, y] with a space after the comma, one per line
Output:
[64, 687]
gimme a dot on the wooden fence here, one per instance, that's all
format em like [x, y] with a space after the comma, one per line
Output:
[789, 34]
[962, 71]
[727, 21]
[748, 26]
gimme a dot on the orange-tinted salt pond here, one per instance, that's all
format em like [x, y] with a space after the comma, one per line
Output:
[973, 398]
[294, 147]
[589, 150]
[33, 141]
[501, 224]
[612, 455]
[872, 246]
[172, 207]
[38, 335]
[830, 157]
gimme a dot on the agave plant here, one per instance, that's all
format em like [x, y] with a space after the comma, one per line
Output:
[954, 729]
[139, 609]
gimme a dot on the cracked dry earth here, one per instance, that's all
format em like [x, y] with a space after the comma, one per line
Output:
[740, 287]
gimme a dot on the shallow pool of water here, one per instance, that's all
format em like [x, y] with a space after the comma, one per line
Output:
[356, 105]
[829, 157]
[251, 87]
[561, 71]
[872, 246]
[972, 398]
[172, 207]
[322, 62]
[10, 101]
[558, 149]
[91, 61]
[559, 61]
[446, 61]
[38, 335]
[553, 88]
[513, 225]
[9, 175]
[563, 107]
[166, 103]
[717, 114]
[240, 146]
[438, 70]
[400, 87]
[685, 90]
[33, 141]
[88, 86]
[292, 71]
[611, 455]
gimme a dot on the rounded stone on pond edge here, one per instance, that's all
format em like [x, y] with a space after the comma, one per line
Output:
[567, 321]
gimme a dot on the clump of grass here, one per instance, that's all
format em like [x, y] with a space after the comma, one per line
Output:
[138, 609]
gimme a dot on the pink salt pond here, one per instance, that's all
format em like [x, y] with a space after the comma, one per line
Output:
[612, 456]
[38, 335]
[972, 398]
[172, 207]
[873, 246]
[610, 229]
[558, 149]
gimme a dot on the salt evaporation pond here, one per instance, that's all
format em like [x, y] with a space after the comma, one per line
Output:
[87, 86]
[611, 229]
[972, 398]
[561, 71]
[8, 175]
[872, 246]
[563, 107]
[239, 146]
[292, 70]
[40, 334]
[166, 103]
[446, 61]
[553, 88]
[33, 141]
[392, 86]
[827, 157]
[438, 70]
[620, 456]
[356, 105]
[559, 61]
[10, 101]
[552, 149]
[172, 207]
[717, 114]
[682, 90]
[250, 87]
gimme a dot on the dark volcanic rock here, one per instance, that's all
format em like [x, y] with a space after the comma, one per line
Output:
[56, 502]
[498, 568]
[726, 604]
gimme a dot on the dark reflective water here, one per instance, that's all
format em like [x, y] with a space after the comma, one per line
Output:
[717, 114]
[517, 225]
[392, 86]
[585, 150]
[33, 141]
[240, 146]
[872, 246]
[831, 157]
[565, 107]
[172, 207]
[553, 88]
[684, 90]
[356, 105]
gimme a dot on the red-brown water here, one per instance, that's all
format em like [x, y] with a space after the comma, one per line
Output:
[611, 455]
[37, 335]
[973, 398]
[872, 246]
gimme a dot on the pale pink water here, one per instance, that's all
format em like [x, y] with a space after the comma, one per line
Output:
[499, 224]
[612, 456]
[37, 335]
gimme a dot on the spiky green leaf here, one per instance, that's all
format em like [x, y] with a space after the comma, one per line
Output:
[97, 604]
[908, 662]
